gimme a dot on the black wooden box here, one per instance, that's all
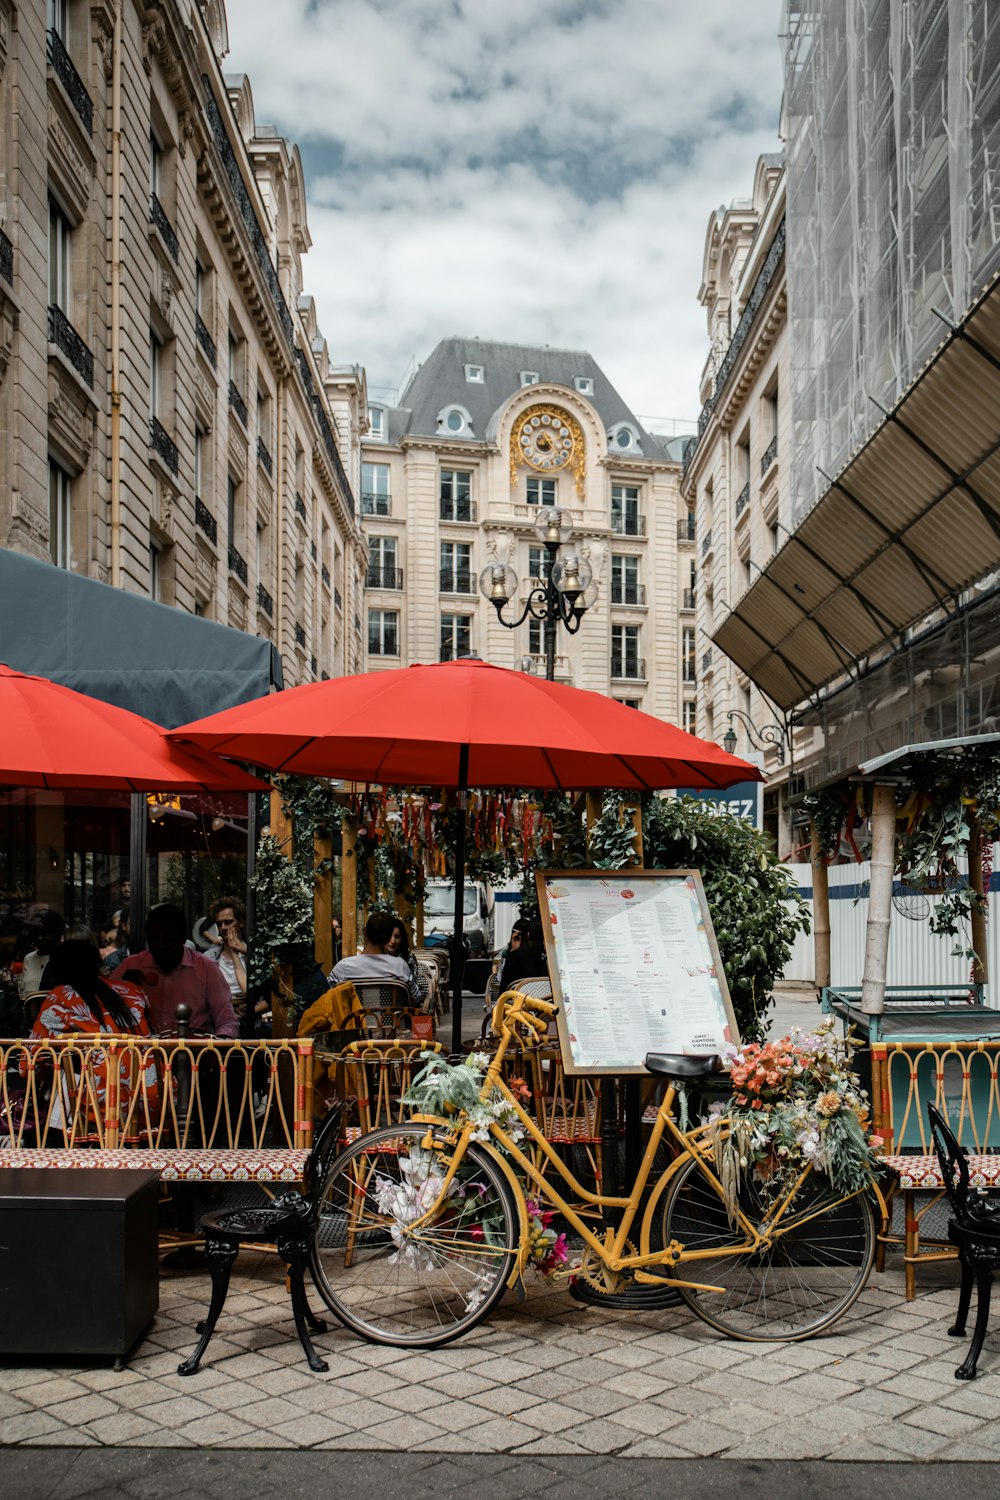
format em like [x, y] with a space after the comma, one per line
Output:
[79, 1269]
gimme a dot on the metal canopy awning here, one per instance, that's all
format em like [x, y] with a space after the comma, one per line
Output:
[912, 520]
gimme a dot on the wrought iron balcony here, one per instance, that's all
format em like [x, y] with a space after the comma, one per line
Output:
[237, 402]
[205, 339]
[384, 578]
[323, 424]
[264, 458]
[452, 582]
[688, 599]
[706, 543]
[375, 505]
[68, 341]
[6, 259]
[204, 519]
[742, 500]
[769, 455]
[264, 601]
[300, 506]
[457, 510]
[628, 524]
[62, 66]
[237, 564]
[324, 573]
[300, 635]
[629, 668]
[234, 177]
[628, 593]
[163, 444]
[158, 218]
[685, 528]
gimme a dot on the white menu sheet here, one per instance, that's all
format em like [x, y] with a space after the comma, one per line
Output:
[634, 967]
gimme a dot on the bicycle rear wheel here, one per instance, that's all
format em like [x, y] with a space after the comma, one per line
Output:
[422, 1289]
[814, 1271]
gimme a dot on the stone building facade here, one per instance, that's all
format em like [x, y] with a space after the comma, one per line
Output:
[170, 422]
[736, 471]
[454, 481]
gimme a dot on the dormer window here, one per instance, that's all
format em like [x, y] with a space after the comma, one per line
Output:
[529, 377]
[584, 384]
[623, 438]
[456, 421]
[376, 422]
[474, 374]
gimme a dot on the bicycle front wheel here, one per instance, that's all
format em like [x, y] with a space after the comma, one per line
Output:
[424, 1287]
[818, 1263]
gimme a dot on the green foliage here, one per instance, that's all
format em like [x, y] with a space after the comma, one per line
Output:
[754, 903]
[284, 911]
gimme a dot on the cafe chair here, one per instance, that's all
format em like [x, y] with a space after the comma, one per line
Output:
[290, 1223]
[975, 1231]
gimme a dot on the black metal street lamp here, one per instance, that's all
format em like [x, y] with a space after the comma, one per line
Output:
[562, 596]
[766, 734]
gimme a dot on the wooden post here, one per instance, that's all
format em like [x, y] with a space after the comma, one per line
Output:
[821, 911]
[349, 887]
[283, 834]
[323, 902]
[980, 963]
[879, 899]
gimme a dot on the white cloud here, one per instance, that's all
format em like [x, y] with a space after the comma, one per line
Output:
[503, 171]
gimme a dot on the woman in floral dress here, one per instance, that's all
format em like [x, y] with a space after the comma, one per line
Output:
[81, 1003]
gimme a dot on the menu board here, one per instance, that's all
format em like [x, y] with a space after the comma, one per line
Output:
[634, 966]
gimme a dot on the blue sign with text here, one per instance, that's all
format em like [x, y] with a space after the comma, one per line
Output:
[744, 800]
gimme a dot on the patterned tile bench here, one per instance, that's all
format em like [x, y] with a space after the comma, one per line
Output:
[199, 1110]
[960, 1077]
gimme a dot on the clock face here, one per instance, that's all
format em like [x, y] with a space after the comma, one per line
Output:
[545, 441]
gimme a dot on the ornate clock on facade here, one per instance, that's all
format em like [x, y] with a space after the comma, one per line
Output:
[548, 440]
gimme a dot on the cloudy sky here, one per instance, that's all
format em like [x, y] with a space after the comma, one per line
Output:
[507, 170]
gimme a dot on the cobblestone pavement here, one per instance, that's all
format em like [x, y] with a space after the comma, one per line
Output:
[544, 1377]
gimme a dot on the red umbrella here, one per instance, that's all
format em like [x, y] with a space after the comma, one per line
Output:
[460, 724]
[51, 736]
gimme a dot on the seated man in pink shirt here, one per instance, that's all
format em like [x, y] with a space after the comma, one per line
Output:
[172, 974]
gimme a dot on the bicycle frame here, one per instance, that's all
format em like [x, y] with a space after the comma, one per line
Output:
[611, 1250]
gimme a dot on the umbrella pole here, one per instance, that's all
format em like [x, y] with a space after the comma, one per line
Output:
[457, 975]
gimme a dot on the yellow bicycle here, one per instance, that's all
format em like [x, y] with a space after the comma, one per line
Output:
[424, 1224]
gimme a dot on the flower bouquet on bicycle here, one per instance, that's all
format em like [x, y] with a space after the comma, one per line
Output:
[765, 1230]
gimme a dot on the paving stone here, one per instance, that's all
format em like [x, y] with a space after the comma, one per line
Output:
[597, 1400]
[879, 1403]
[505, 1399]
[122, 1426]
[268, 1413]
[914, 1442]
[177, 1411]
[944, 1419]
[359, 1415]
[308, 1430]
[551, 1445]
[86, 1408]
[655, 1448]
[65, 1437]
[28, 1425]
[552, 1416]
[411, 1397]
[460, 1383]
[701, 1438]
[646, 1418]
[405, 1432]
[218, 1430]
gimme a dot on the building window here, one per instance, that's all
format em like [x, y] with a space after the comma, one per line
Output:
[456, 568]
[455, 420]
[474, 374]
[535, 643]
[688, 672]
[629, 702]
[57, 19]
[383, 632]
[625, 580]
[60, 516]
[375, 498]
[584, 384]
[529, 377]
[376, 423]
[625, 517]
[538, 564]
[232, 510]
[155, 575]
[625, 661]
[623, 438]
[382, 562]
[689, 710]
[155, 374]
[456, 495]
[541, 491]
[60, 232]
[455, 635]
[155, 166]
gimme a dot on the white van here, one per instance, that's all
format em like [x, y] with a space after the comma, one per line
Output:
[439, 915]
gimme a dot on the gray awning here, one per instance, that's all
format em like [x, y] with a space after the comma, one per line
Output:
[928, 747]
[910, 522]
[170, 666]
